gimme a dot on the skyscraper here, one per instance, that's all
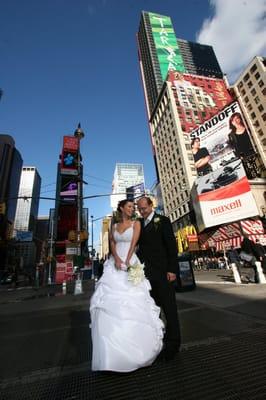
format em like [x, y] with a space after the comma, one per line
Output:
[199, 59]
[250, 89]
[160, 51]
[10, 170]
[27, 210]
[125, 176]
[182, 88]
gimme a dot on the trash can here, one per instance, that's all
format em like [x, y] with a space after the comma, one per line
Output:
[185, 280]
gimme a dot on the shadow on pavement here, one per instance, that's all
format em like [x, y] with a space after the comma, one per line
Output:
[45, 354]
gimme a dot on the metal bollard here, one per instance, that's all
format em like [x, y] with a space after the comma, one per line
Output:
[78, 286]
[236, 273]
[64, 287]
[260, 274]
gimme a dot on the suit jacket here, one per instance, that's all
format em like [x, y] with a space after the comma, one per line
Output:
[157, 248]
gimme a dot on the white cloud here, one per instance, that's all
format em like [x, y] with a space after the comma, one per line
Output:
[237, 32]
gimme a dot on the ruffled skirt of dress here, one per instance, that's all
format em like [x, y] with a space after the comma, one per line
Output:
[127, 332]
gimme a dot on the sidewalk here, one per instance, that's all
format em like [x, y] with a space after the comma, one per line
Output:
[46, 348]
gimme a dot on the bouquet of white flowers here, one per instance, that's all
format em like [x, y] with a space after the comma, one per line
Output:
[136, 273]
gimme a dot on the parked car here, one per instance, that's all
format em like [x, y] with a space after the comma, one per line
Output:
[6, 277]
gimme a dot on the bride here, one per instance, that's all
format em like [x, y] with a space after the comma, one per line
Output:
[127, 332]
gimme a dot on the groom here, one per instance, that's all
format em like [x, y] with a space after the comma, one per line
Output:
[158, 250]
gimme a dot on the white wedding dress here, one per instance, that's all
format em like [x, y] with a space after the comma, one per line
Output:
[126, 330]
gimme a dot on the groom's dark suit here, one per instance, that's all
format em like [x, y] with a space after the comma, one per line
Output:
[158, 251]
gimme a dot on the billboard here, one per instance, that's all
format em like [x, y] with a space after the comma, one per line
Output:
[133, 192]
[69, 156]
[24, 236]
[223, 196]
[167, 49]
[221, 140]
[70, 143]
[198, 98]
[69, 188]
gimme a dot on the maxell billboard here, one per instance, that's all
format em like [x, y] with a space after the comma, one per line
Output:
[221, 140]
[223, 196]
[167, 49]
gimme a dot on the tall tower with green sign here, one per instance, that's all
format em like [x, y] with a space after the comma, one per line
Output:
[158, 53]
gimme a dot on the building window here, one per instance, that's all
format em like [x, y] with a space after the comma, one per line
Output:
[261, 83]
[257, 75]
[253, 92]
[253, 115]
[246, 77]
[260, 108]
[253, 68]
[264, 117]
[249, 84]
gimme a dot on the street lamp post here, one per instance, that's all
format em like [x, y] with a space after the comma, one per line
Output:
[79, 134]
[51, 251]
[92, 250]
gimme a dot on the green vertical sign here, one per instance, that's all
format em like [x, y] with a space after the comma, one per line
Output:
[167, 49]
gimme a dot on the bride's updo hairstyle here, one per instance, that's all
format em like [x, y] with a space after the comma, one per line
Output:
[122, 204]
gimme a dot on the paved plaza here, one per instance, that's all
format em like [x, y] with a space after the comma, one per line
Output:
[46, 350]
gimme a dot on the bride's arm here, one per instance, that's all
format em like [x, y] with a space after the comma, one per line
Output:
[118, 260]
[134, 241]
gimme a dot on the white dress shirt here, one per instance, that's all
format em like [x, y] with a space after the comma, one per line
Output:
[149, 218]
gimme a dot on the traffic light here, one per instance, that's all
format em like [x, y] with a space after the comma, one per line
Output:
[2, 208]
[72, 236]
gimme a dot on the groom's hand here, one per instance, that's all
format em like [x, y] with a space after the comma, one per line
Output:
[171, 276]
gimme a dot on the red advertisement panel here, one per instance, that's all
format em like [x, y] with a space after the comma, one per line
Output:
[70, 143]
[198, 98]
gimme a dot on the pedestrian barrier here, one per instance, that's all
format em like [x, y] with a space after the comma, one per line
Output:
[260, 274]
[235, 273]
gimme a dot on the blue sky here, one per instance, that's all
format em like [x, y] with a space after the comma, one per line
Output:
[64, 62]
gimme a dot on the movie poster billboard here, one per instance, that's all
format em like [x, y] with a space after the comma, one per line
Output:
[221, 140]
[223, 196]
[167, 49]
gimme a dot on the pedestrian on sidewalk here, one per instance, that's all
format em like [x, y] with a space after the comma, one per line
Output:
[247, 254]
[234, 258]
[260, 253]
